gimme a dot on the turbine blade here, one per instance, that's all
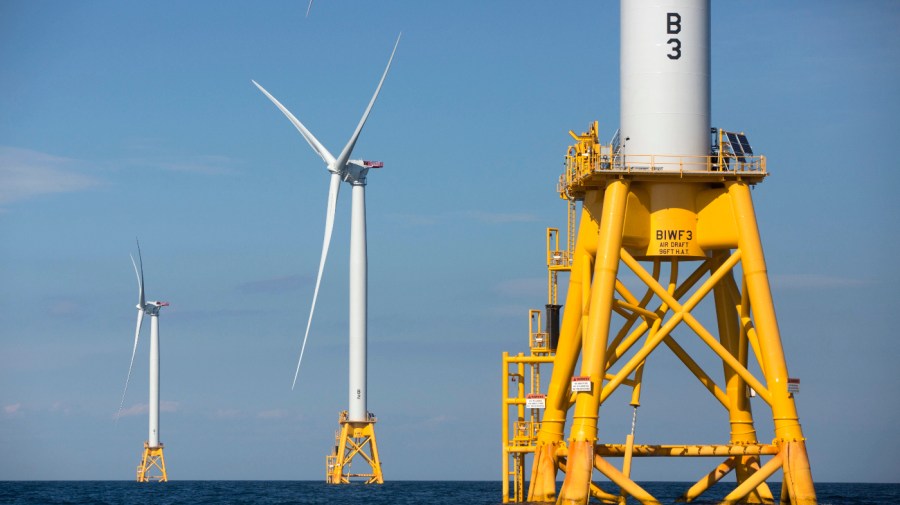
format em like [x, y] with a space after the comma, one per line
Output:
[139, 272]
[348, 149]
[309, 8]
[333, 191]
[310, 138]
[137, 334]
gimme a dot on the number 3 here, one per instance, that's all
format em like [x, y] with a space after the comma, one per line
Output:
[676, 49]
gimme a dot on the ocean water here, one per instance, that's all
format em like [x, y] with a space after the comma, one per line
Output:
[390, 493]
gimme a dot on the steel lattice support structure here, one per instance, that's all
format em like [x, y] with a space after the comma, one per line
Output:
[667, 228]
[355, 440]
[153, 465]
[630, 220]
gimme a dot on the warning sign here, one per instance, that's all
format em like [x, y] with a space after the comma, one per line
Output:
[580, 383]
[535, 401]
[793, 385]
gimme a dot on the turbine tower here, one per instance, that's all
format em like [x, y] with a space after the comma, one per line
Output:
[667, 228]
[153, 464]
[357, 433]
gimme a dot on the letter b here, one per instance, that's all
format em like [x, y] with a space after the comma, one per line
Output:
[673, 23]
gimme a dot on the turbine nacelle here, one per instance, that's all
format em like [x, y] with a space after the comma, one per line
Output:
[355, 170]
[152, 308]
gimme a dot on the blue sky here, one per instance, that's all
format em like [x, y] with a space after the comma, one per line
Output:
[125, 119]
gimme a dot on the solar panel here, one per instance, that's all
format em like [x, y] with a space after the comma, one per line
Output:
[745, 144]
[735, 145]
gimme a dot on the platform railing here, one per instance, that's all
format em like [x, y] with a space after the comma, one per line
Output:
[580, 166]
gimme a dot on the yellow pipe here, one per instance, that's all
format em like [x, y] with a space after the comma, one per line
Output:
[593, 359]
[688, 283]
[627, 485]
[520, 370]
[741, 299]
[622, 346]
[576, 487]
[626, 462]
[529, 359]
[569, 346]
[636, 310]
[504, 395]
[784, 412]
[663, 308]
[787, 426]
[707, 481]
[797, 475]
[683, 313]
[698, 372]
[739, 412]
[631, 299]
[740, 416]
[691, 451]
[542, 485]
[754, 481]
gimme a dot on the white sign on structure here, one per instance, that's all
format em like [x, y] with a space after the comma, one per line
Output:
[580, 383]
[535, 401]
[793, 385]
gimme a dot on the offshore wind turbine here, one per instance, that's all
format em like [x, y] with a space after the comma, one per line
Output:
[357, 424]
[152, 458]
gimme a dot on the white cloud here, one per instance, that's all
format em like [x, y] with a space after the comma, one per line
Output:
[12, 408]
[272, 414]
[417, 219]
[64, 307]
[226, 414]
[25, 174]
[143, 408]
[60, 407]
[436, 421]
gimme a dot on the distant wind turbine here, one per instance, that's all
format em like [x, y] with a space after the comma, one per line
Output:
[353, 172]
[152, 457]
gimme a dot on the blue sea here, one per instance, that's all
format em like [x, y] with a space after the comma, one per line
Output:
[390, 493]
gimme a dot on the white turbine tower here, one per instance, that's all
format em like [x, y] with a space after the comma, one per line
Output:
[152, 457]
[356, 424]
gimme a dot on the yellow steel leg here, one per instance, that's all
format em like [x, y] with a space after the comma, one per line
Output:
[740, 415]
[575, 489]
[550, 437]
[152, 459]
[788, 434]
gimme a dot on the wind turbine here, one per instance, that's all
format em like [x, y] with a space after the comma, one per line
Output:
[356, 423]
[152, 457]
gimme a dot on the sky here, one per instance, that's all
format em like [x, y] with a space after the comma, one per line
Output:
[124, 120]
